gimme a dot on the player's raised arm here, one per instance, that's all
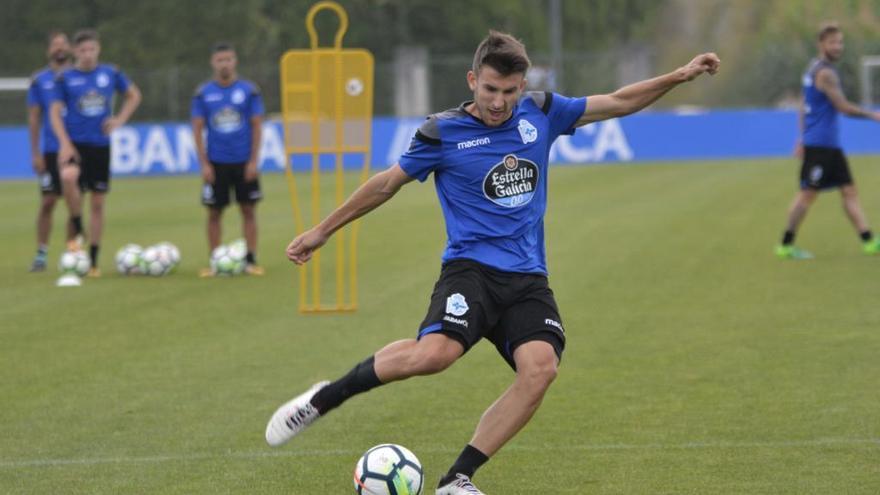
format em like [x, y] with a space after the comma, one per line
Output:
[634, 97]
[372, 193]
[828, 82]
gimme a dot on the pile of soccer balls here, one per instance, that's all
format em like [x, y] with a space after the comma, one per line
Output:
[229, 259]
[156, 261]
[388, 469]
[73, 265]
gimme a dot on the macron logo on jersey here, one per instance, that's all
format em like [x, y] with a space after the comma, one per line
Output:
[473, 143]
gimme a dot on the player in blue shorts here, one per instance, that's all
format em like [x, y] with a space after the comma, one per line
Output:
[44, 144]
[824, 165]
[231, 110]
[489, 160]
[82, 118]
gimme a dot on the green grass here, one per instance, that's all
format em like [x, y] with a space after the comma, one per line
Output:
[697, 362]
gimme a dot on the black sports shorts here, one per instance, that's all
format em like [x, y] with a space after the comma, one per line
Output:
[230, 176]
[472, 301]
[94, 167]
[824, 168]
[50, 180]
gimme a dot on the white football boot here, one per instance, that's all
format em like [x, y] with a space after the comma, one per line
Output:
[461, 485]
[293, 417]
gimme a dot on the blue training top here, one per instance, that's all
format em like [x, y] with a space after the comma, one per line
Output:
[40, 94]
[821, 119]
[227, 111]
[88, 96]
[492, 181]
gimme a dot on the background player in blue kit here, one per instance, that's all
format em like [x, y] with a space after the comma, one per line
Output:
[84, 94]
[231, 110]
[489, 158]
[824, 165]
[44, 145]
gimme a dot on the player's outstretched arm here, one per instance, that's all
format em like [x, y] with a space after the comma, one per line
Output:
[379, 189]
[634, 97]
[828, 82]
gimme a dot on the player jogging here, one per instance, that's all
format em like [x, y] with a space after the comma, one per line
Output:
[231, 109]
[824, 165]
[489, 159]
[85, 92]
[44, 157]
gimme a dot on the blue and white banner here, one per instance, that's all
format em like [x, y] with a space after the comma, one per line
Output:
[167, 149]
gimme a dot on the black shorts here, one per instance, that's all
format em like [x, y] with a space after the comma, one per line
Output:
[472, 301]
[824, 168]
[50, 180]
[94, 167]
[226, 176]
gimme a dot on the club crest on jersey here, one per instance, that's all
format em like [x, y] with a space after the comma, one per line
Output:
[238, 96]
[512, 182]
[527, 131]
[456, 305]
[102, 80]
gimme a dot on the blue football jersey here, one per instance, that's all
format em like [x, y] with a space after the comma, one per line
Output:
[821, 127]
[88, 96]
[40, 94]
[492, 181]
[227, 111]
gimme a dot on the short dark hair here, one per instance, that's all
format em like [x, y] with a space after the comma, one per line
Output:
[84, 35]
[502, 52]
[827, 29]
[54, 34]
[222, 46]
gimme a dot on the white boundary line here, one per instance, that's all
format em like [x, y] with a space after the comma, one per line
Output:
[12, 464]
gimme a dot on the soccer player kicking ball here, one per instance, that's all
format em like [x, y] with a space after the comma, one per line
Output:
[824, 164]
[85, 93]
[489, 159]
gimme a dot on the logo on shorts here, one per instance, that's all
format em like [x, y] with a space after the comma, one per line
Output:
[457, 321]
[456, 305]
[554, 323]
[512, 182]
[527, 131]
[816, 174]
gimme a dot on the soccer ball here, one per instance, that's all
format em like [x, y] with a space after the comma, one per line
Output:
[155, 261]
[388, 469]
[171, 252]
[128, 259]
[224, 261]
[238, 249]
[75, 262]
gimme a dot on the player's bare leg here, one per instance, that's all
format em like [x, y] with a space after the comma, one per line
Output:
[249, 230]
[796, 213]
[853, 209]
[215, 216]
[403, 359]
[96, 229]
[399, 360]
[73, 198]
[214, 230]
[44, 227]
[850, 196]
[536, 365]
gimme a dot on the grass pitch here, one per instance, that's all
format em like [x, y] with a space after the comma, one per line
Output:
[696, 363]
